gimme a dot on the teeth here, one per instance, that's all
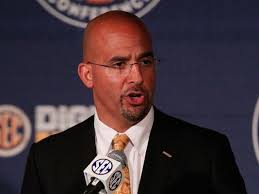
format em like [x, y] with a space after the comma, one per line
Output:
[134, 95]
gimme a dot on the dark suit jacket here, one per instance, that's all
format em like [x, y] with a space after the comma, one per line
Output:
[202, 161]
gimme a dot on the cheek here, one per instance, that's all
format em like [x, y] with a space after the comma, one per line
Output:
[113, 79]
[150, 79]
[106, 83]
[102, 77]
[106, 75]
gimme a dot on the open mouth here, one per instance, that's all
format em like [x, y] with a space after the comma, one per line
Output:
[135, 95]
[135, 98]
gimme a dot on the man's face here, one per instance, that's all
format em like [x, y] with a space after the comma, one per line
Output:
[118, 96]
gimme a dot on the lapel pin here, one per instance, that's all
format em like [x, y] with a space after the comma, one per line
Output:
[167, 154]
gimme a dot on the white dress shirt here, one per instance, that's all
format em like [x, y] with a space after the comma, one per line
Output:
[136, 148]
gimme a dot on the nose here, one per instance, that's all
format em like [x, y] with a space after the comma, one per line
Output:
[135, 74]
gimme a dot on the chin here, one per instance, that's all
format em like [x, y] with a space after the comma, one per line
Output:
[135, 114]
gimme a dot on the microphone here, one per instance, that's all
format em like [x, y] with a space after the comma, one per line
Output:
[104, 174]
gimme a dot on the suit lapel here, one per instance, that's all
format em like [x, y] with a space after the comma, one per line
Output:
[89, 148]
[158, 160]
[84, 149]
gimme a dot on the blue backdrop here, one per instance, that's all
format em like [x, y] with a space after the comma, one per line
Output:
[208, 75]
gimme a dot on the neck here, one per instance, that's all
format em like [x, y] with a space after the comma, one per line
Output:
[118, 124]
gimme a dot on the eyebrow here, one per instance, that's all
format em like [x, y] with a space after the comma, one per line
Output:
[118, 58]
[146, 54]
[126, 58]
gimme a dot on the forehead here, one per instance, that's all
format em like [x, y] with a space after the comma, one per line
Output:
[122, 39]
[125, 39]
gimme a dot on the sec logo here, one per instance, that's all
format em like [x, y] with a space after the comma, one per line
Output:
[255, 128]
[79, 12]
[102, 166]
[15, 130]
[115, 180]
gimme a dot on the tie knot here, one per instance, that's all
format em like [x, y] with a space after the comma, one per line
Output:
[120, 141]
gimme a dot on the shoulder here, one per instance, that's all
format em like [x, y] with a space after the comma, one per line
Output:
[196, 146]
[186, 133]
[62, 157]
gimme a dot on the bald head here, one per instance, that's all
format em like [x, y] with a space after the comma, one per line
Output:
[118, 65]
[108, 23]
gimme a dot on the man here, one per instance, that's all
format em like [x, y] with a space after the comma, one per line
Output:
[165, 155]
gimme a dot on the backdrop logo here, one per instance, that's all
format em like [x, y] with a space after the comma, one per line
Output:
[79, 12]
[15, 130]
[51, 119]
[255, 129]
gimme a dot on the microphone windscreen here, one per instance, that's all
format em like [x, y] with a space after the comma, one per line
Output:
[118, 156]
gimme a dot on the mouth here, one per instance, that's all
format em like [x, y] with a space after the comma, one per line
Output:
[135, 98]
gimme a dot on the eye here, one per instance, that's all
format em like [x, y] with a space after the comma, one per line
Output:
[146, 61]
[119, 65]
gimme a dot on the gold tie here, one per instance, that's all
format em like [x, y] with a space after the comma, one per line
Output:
[119, 142]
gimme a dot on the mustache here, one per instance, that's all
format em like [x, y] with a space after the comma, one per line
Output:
[134, 89]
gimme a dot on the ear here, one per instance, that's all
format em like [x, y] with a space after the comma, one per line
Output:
[86, 75]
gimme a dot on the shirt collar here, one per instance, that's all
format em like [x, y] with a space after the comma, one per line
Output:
[138, 134]
[104, 135]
